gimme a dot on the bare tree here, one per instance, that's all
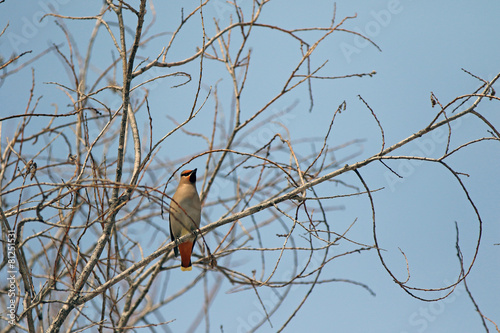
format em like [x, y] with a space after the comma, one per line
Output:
[71, 210]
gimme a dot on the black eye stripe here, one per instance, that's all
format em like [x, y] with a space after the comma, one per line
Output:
[189, 173]
[192, 177]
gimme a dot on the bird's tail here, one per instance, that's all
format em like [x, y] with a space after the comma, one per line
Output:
[185, 249]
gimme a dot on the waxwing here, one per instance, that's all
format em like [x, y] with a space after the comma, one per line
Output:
[185, 216]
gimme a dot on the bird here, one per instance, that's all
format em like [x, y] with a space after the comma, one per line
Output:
[185, 216]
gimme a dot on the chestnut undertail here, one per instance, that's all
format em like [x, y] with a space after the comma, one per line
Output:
[185, 250]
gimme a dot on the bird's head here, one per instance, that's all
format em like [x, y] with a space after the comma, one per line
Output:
[188, 176]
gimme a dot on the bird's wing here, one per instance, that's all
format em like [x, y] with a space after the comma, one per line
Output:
[172, 237]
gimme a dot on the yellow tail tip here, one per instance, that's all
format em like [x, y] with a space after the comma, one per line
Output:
[184, 269]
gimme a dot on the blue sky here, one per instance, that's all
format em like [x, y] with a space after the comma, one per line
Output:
[424, 46]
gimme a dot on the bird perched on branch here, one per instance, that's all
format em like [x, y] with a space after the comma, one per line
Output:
[185, 216]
